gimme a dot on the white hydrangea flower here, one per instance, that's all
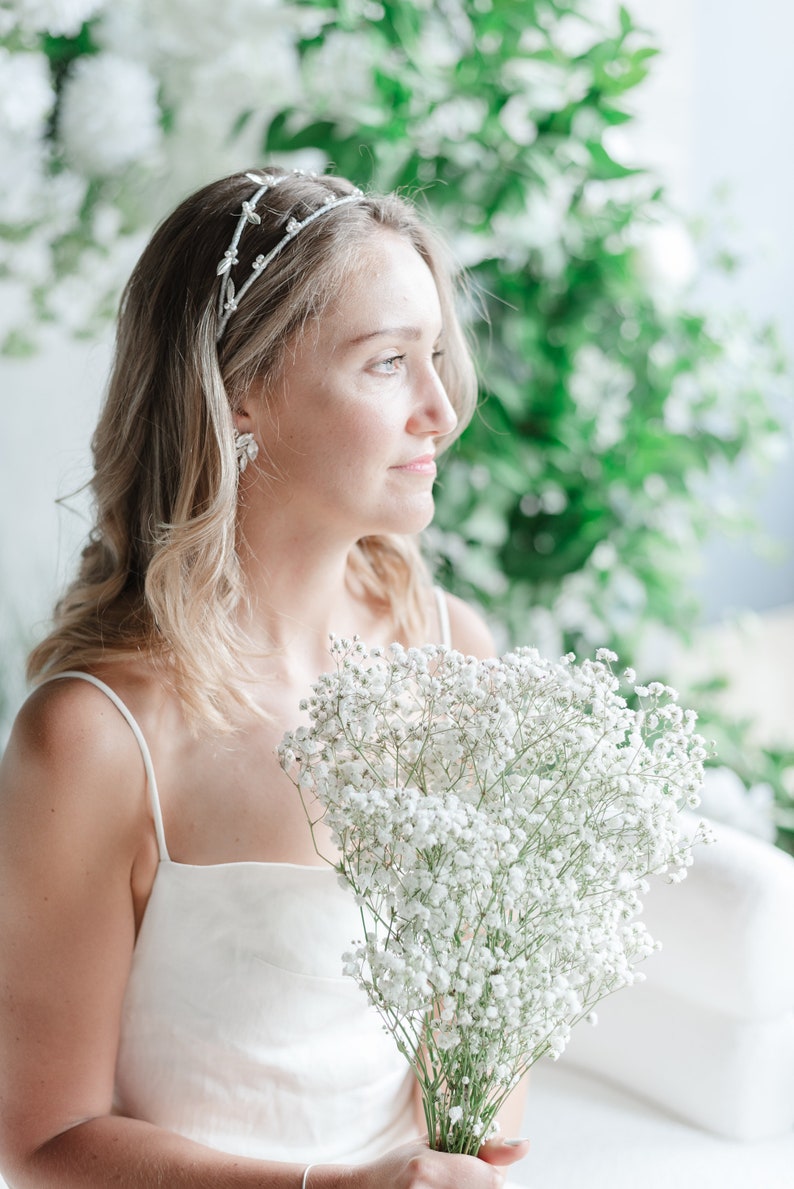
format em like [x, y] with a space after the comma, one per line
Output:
[256, 77]
[77, 301]
[26, 94]
[31, 256]
[126, 29]
[276, 73]
[198, 29]
[338, 76]
[63, 18]
[496, 821]
[65, 196]
[110, 117]
[22, 183]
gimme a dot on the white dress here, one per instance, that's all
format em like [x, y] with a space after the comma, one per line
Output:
[238, 1028]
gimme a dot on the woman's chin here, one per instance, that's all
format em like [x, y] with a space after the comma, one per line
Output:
[414, 521]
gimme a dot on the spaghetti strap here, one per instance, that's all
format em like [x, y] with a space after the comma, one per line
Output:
[154, 796]
[443, 617]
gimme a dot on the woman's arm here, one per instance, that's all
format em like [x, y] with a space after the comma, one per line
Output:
[76, 839]
[75, 835]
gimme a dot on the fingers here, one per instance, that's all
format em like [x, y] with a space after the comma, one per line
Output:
[443, 1170]
[502, 1152]
[415, 1166]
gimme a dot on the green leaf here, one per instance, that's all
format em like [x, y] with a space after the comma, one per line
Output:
[604, 166]
[626, 22]
[241, 122]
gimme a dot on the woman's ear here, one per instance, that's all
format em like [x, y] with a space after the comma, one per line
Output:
[248, 413]
[243, 422]
[245, 415]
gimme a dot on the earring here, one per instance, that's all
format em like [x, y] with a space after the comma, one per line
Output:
[246, 448]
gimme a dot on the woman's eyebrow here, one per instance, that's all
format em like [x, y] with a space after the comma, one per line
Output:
[407, 332]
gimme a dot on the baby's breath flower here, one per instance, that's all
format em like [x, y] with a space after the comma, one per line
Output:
[606, 655]
[496, 821]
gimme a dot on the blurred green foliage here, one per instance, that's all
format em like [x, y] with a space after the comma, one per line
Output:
[572, 507]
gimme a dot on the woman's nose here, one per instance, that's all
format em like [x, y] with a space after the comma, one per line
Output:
[433, 412]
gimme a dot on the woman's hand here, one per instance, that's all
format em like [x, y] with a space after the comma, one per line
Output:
[415, 1166]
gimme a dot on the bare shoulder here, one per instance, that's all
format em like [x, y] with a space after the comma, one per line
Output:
[469, 632]
[70, 721]
[71, 758]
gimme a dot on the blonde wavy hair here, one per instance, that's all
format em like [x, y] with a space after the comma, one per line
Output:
[160, 575]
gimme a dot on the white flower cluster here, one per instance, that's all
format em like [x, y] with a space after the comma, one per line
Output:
[62, 18]
[39, 207]
[178, 75]
[109, 117]
[214, 63]
[26, 102]
[497, 821]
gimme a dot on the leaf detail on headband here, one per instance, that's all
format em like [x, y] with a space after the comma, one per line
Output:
[228, 297]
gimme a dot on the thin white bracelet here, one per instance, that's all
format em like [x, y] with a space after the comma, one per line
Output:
[306, 1172]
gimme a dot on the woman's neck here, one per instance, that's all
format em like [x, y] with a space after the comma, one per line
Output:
[298, 591]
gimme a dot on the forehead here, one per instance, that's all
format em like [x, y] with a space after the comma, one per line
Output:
[388, 284]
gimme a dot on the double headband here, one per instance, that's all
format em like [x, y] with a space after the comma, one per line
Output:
[229, 296]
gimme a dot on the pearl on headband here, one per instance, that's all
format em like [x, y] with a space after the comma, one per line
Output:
[229, 297]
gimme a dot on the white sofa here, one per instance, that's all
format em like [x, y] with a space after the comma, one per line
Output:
[688, 1078]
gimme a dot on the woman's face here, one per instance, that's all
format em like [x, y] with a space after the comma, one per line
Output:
[352, 429]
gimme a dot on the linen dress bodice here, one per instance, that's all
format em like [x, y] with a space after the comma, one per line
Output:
[238, 1028]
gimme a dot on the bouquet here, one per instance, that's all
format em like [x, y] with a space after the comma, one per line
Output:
[497, 822]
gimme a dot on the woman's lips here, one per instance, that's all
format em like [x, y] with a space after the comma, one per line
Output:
[425, 464]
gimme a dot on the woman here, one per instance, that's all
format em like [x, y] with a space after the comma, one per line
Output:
[288, 365]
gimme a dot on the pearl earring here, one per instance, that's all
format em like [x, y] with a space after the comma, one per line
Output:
[246, 448]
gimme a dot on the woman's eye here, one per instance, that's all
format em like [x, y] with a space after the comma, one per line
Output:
[390, 366]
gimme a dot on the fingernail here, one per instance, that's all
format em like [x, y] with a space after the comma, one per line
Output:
[514, 1143]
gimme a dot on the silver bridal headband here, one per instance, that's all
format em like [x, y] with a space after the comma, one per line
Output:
[229, 297]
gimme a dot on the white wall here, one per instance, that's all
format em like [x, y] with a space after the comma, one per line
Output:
[48, 407]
